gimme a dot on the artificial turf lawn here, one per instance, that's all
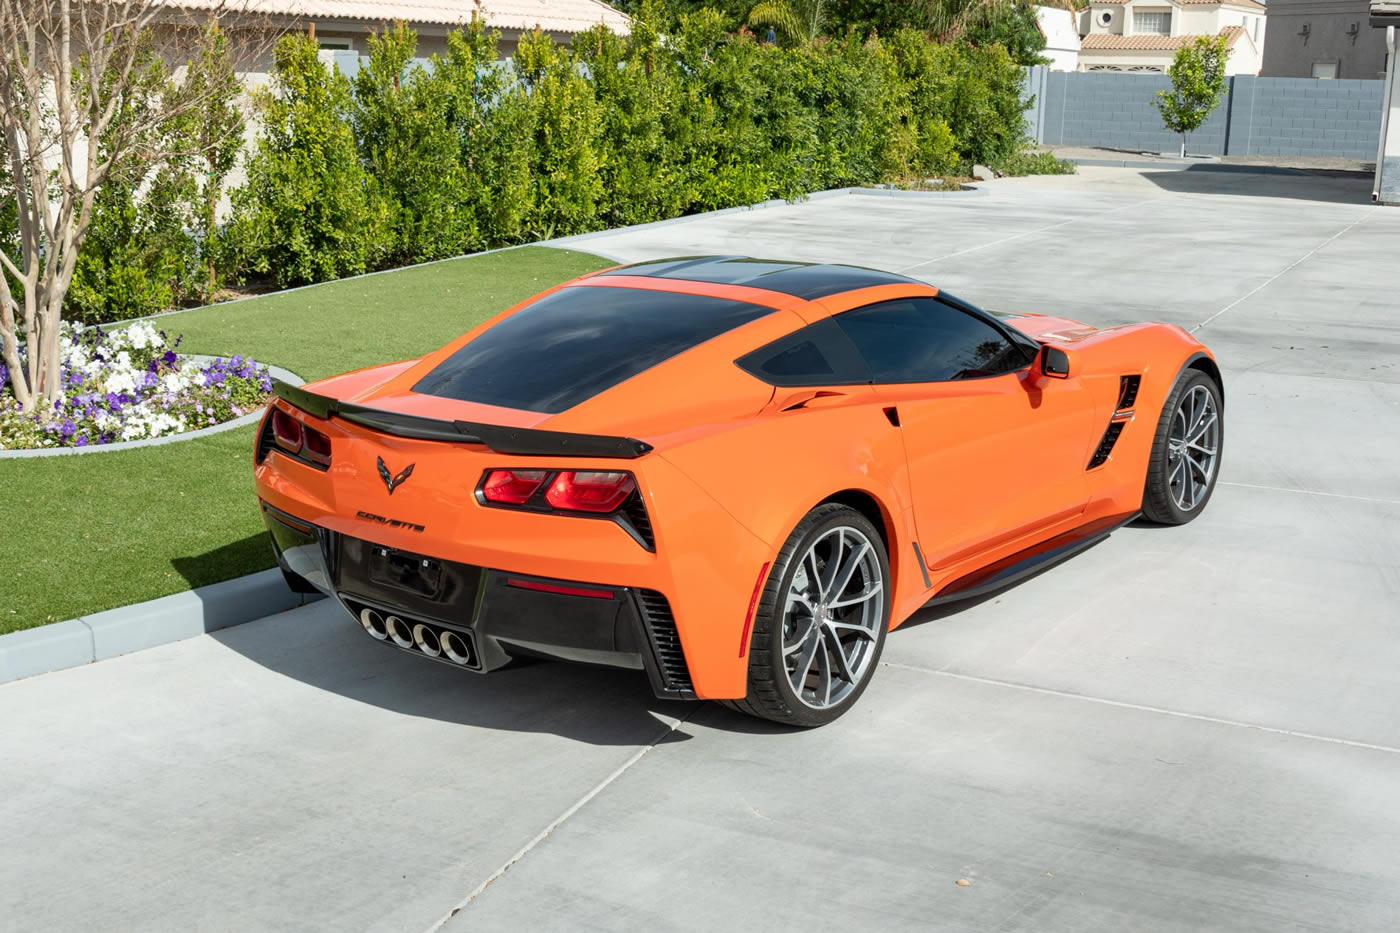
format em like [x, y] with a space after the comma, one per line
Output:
[92, 532]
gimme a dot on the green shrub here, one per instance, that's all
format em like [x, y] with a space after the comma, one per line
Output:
[1036, 163]
[415, 162]
[309, 211]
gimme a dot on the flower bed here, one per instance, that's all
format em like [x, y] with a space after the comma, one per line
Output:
[127, 385]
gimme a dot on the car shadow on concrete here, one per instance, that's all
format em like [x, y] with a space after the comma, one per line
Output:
[1335, 187]
[321, 646]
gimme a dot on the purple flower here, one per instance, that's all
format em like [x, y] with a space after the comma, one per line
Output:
[169, 357]
[81, 441]
[67, 428]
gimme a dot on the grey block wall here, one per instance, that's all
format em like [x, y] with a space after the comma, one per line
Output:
[1305, 116]
[1259, 116]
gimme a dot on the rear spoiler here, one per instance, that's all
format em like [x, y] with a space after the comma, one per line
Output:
[527, 442]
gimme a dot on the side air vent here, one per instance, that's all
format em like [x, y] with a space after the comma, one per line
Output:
[666, 642]
[635, 511]
[1122, 414]
[1110, 437]
[265, 439]
[1127, 391]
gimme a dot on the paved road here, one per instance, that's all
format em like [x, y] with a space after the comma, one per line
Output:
[1180, 729]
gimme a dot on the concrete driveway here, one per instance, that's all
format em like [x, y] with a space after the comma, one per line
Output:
[1179, 729]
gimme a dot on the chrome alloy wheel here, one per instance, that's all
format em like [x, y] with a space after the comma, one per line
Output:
[831, 617]
[1193, 448]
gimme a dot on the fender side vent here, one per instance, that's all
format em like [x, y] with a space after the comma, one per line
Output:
[666, 642]
[1127, 391]
[1110, 437]
[1122, 414]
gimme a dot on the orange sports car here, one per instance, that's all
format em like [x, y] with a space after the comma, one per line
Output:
[733, 474]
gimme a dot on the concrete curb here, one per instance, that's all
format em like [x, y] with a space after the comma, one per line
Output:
[252, 417]
[104, 635]
[1191, 166]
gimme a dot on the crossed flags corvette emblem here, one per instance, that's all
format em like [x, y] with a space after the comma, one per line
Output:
[391, 481]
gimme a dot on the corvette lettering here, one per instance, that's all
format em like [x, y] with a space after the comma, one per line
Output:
[391, 522]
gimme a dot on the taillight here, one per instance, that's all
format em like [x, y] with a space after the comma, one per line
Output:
[303, 442]
[590, 491]
[512, 487]
[287, 431]
[317, 447]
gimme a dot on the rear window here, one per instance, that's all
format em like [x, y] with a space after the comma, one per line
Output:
[571, 345]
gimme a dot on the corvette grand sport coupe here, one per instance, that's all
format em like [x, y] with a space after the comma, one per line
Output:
[735, 475]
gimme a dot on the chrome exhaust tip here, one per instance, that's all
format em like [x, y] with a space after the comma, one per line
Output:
[426, 640]
[454, 647]
[399, 632]
[373, 623]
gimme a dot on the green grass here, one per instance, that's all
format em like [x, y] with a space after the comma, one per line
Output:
[87, 533]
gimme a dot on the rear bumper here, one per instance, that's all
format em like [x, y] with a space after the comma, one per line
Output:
[499, 614]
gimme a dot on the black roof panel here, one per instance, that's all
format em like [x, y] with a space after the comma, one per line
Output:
[799, 279]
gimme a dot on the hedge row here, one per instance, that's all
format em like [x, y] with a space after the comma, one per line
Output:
[408, 163]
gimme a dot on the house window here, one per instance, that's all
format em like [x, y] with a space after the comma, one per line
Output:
[1104, 68]
[1155, 24]
[1324, 69]
[334, 45]
[1145, 69]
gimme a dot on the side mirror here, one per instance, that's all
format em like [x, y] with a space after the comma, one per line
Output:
[1055, 362]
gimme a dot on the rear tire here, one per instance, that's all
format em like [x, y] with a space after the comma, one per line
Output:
[1186, 451]
[807, 614]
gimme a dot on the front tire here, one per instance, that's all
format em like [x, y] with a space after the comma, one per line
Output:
[1186, 451]
[821, 620]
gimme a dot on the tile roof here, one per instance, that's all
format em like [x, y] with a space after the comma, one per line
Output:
[1245, 4]
[567, 16]
[1106, 40]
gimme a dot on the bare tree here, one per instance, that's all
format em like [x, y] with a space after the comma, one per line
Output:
[76, 104]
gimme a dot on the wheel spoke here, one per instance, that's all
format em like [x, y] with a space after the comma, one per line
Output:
[843, 663]
[1207, 422]
[847, 571]
[1208, 451]
[799, 643]
[870, 592]
[859, 629]
[824, 673]
[1188, 491]
[1200, 468]
[833, 565]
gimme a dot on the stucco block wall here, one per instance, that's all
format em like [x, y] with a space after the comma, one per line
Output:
[1259, 116]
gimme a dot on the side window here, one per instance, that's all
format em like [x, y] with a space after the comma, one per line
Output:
[817, 355]
[925, 340]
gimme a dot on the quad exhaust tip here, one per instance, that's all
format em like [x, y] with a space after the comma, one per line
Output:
[426, 640]
[373, 623]
[399, 632]
[454, 647]
[430, 640]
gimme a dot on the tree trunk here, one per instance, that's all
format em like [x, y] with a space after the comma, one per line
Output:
[1183, 145]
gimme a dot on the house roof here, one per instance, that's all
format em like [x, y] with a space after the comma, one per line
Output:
[566, 16]
[1242, 4]
[1104, 40]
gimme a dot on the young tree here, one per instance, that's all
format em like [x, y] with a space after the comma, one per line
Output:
[1198, 83]
[76, 105]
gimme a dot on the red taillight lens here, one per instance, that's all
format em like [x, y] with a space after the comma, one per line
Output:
[286, 430]
[589, 491]
[317, 447]
[512, 487]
